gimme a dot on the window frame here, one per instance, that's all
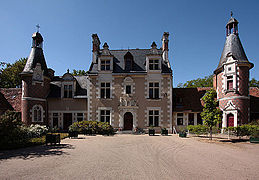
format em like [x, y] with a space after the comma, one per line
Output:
[178, 117]
[104, 65]
[107, 113]
[154, 114]
[39, 113]
[154, 64]
[153, 90]
[105, 91]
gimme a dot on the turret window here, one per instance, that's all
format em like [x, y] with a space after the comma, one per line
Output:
[229, 83]
[153, 64]
[105, 65]
[37, 113]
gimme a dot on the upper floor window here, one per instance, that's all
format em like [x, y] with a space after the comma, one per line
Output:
[229, 83]
[106, 90]
[154, 90]
[37, 113]
[153, 64]
[68, 91]
[105, 65]
[179, 118]
[153, 116]
[105, 116]
[128, 89]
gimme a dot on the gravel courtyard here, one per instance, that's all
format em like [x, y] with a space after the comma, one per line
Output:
[133, 157]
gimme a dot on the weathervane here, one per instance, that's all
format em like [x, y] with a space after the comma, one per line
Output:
[38, 27]
[231, 13]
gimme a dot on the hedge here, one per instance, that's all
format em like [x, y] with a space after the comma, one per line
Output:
[92, 127]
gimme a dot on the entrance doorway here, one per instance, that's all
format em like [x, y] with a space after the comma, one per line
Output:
[67, 120]
[230, 120]
[128, 121]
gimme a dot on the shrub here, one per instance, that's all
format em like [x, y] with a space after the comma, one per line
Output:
[244, 130]
[92, 127]
[198, 129]
[35, 130]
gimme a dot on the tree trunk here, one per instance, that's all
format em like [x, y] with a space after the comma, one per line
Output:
[210, 133]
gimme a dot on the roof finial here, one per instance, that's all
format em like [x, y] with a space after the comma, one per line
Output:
[231, 13]
[38, 27]
[67, 70]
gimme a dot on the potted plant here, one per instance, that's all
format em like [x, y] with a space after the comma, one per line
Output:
[151, 131]
[255, 137]
[164, 131]
[182, 132]
[52, 138]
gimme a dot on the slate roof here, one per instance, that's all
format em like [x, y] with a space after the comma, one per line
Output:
[55, 86]
[13, 96]
[36, 56]
[191, 99]
[254, 99]
[4, 104]
[139, 61]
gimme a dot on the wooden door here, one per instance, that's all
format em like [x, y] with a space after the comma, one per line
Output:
[230, 120]
[67, 120]
[128, 121]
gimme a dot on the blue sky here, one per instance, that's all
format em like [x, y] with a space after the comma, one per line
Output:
[197, 30]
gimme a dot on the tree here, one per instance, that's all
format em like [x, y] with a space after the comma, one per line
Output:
[10, 73]
[207, 81]
[254, 83]
[211, 114]
[79, 72]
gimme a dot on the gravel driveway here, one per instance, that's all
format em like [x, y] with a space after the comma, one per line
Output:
[132, 157]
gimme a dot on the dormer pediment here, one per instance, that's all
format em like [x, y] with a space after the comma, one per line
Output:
[68, 77]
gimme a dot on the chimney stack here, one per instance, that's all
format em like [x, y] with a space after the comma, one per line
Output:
[165, 49]
[96, 47]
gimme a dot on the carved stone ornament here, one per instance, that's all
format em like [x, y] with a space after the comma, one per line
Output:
[37, 73]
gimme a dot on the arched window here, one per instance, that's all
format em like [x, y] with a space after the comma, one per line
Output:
[128, 58]
[37, 113]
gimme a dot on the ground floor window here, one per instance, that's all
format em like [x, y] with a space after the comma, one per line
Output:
[199, 120]
[179, 118]
[105, 116]
[153, 117]
[191, 119]
[37, 112]
[55, 119]
[80, 117]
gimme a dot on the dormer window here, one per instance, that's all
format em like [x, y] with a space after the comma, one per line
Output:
[105, 65]
[128, 58]
[68, 91]
[229, 83]
[154, 64]
[128, 89]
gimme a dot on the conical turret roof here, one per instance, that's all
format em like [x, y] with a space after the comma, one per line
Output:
[36, 56]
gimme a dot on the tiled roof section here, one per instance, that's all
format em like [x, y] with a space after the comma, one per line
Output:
[139, 61]
[188, 99]
[4, 104]
[233, 45]
[55, 86]
[36, 56]
[254, 99]
[13, 96]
